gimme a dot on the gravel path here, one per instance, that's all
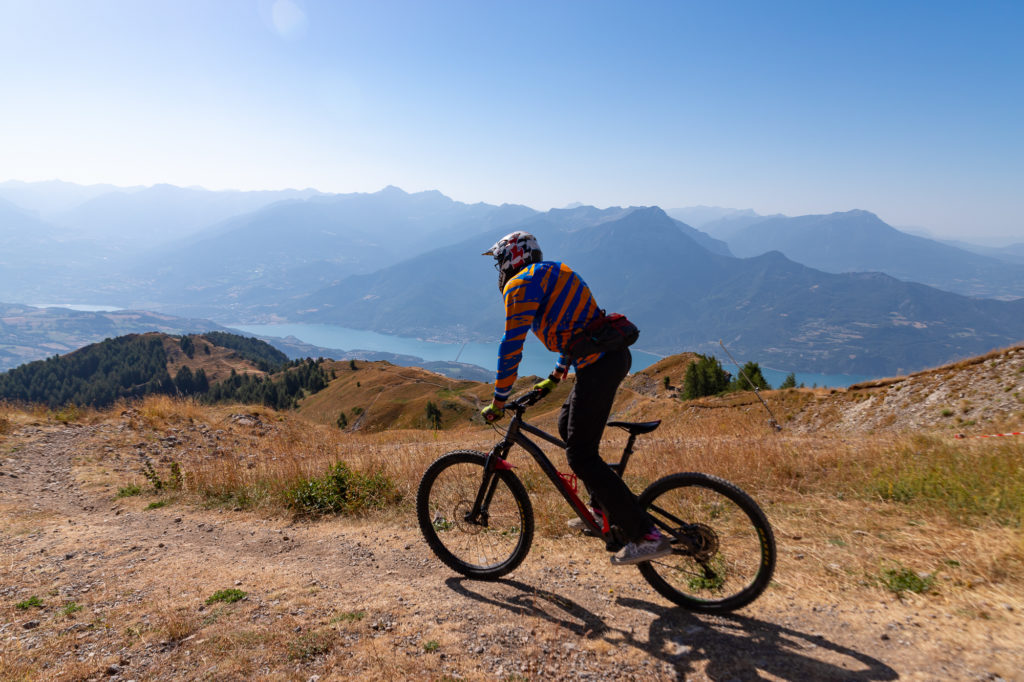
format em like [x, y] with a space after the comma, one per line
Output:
[142, 578]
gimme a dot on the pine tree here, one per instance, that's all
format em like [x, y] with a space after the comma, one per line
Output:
[752, 372]
[704, 377]
[433, 415]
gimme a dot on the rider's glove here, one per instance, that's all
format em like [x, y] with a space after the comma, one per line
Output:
[493, 412]
[546, 386]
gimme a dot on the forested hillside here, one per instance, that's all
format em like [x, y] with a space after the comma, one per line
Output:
[216, 367]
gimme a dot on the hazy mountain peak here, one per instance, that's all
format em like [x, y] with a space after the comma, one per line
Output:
[858, 213]
[699, 216]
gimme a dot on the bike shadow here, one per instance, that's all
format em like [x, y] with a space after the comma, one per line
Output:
[735, 647]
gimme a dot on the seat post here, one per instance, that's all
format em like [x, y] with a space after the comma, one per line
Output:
[626, 452]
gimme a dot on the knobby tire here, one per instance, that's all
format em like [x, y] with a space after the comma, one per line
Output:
[724, 548]
[446, 494]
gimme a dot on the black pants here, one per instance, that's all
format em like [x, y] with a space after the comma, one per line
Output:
[581, 423]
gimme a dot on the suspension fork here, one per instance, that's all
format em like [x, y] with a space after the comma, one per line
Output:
[496, 460]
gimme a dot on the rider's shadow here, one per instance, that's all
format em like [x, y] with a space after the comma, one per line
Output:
[735, 647]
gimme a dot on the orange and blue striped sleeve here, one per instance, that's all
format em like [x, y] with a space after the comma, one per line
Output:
[555, 303]
[522, 299]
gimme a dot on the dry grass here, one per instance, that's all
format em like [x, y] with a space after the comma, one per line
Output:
[254, 466]
[864, 503]
[838, 530]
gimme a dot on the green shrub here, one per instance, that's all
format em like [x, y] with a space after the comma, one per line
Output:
[900, 579]
[130, 490]
[342, 491]
[229, 596]
[31, 602]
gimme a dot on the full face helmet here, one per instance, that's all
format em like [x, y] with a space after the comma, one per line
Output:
[512, 253]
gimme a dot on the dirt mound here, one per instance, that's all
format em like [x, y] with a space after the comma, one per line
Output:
[664, 377]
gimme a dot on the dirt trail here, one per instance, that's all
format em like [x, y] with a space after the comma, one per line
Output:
[338, 598]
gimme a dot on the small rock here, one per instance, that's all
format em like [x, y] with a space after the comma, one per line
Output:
[885, 636]
[113, 669]
[30, 625]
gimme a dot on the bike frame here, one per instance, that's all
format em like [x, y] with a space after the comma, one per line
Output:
[565, 483]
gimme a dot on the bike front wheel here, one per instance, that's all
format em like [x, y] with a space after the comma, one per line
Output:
[487, 545]
[723, 547]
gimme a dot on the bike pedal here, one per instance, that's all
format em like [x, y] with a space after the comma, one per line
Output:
[613, 546]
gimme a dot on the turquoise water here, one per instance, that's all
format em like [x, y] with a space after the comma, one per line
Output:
[82, 308]
[536, 358]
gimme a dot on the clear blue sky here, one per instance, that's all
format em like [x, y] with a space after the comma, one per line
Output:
[913, 110]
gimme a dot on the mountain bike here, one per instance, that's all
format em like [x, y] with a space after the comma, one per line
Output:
[476, 516]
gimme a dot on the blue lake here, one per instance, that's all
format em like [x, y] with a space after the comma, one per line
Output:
[536, 358]
[78, 307]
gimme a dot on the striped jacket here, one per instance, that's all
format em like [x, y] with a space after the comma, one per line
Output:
[556, 303]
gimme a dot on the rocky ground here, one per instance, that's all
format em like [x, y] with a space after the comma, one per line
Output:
[967, 397]
[125, 591]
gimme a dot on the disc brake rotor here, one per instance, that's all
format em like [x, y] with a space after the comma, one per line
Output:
[698, 540]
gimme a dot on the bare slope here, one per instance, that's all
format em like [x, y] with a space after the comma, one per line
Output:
[973, 396]
[218, 362]
[376, 396]
[977, 395]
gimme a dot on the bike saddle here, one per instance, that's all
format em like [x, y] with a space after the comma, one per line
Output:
[636, 428]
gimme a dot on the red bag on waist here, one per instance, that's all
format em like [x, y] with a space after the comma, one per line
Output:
[607, 332]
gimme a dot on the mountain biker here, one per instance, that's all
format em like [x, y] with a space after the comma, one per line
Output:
[556, 303]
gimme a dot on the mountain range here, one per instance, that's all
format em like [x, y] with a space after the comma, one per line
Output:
[858, 241]
[804, 293]
[683, 296]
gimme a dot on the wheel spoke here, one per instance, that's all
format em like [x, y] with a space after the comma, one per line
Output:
[723, 554]
[482, 548]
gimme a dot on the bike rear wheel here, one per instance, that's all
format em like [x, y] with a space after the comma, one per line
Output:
[489, 546]
[723, 547]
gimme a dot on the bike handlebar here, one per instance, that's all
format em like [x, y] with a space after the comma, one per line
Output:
[526, 400]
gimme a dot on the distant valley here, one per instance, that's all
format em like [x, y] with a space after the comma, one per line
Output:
[806, 293]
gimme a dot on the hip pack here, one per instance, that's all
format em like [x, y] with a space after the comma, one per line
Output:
[606, 333]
